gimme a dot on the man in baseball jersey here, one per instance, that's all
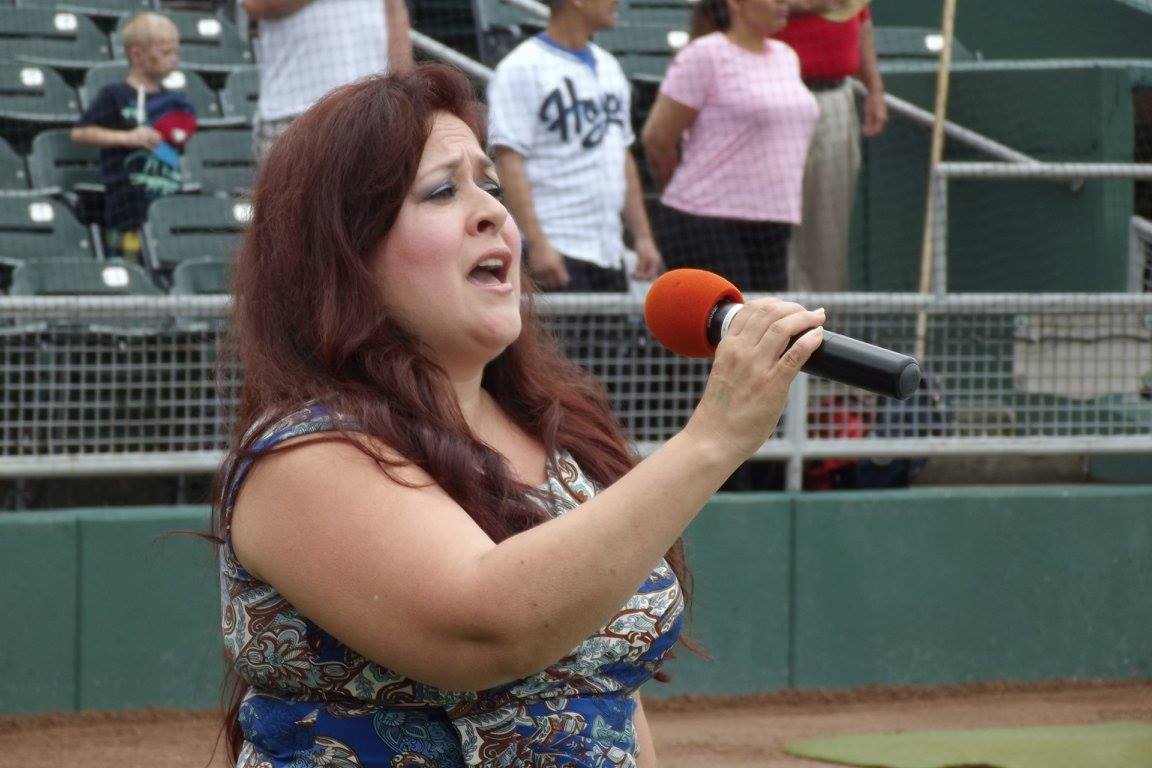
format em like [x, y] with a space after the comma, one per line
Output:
[560, 128]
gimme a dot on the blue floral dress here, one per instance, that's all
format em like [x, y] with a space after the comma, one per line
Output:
[315, 702]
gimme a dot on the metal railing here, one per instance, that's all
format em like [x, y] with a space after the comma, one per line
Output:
[1139, 255]
[127, 385]
[1009, 171]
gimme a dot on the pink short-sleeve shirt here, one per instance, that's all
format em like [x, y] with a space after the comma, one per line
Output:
[744, 156]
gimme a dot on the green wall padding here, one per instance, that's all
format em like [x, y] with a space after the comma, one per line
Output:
[814, 590]
[1004, 235]
[37, 611]
[1030, 29]
[927, 587]
[739, 552]
[150, 632]
[1121, 468]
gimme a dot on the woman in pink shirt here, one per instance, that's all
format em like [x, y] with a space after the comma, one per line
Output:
[727, 140]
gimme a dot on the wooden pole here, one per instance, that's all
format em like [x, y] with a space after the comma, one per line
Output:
[936, 154]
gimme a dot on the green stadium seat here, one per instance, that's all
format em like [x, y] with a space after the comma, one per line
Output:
[58, 165]
[183, 227]
[500, 27]
[87, 277]
[81, 277]
[201, 275]
[13, 174]
[54, 38]
[207, 43]
[32, 98]
[498, 13]
[41, 229]
[915, 43]
[93, 8]
[670, 14]
[240, 94]
[187, 82]
[642, 49]
[221, 162]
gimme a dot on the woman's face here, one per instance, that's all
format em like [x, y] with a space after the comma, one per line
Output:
[449, 269]
[763, 17]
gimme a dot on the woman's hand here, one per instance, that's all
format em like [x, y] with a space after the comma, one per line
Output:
[752, 371]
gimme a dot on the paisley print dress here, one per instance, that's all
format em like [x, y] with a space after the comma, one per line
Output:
[315, 702]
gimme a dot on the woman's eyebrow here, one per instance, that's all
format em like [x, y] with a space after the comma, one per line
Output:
[454, 164]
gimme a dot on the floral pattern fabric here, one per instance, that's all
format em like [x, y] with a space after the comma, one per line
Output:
[315, 702]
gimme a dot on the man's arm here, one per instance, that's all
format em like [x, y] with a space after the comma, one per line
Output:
[875, 108]
[648, 261]
[546, 265]
[399, 41]
[272, 9]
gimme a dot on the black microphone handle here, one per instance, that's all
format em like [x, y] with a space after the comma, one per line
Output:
[865, 366]
[844, 359]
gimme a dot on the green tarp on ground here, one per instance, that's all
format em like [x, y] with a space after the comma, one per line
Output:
[1107, 745]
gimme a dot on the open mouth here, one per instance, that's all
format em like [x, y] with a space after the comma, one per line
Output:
[489, 271]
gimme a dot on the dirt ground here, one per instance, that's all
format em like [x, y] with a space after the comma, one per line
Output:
[698, 732]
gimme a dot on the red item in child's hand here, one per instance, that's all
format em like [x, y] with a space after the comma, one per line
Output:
[176, 127]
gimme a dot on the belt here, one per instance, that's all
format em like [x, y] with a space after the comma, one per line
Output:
[824, 84]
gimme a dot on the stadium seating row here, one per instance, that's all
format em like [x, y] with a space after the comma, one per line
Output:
[34, 97]
[49, 252]
[202, 275]
[52, 35]
[214, 162]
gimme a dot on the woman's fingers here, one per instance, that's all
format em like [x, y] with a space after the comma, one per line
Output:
[757, 316]
[766, 327]
[780, 333]
[795, 356]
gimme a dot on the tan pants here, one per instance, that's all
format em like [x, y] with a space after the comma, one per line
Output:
[818, 251]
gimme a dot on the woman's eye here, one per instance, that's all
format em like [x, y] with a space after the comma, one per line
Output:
[442, 192]
[493, 189]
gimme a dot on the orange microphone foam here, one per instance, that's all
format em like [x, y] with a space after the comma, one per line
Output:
[679, 305]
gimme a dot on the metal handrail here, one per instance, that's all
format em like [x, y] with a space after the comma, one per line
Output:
[1007, 171]
[599, 304]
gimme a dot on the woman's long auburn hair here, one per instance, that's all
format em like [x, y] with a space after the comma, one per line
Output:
[309, 323]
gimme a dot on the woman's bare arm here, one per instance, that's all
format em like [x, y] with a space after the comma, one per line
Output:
[666, 123]
[405, 577]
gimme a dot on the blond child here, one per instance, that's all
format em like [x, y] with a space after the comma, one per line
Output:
[139, 126]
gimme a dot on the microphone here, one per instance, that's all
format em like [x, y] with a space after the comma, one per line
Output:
[689, 311]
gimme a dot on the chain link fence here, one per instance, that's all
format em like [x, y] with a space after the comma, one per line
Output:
[132, 385]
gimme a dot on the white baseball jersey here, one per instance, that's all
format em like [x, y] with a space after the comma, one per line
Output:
[572, 124]
[325, 44]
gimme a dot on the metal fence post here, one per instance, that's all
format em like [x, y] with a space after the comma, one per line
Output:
[940, 234]
[796, 432]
